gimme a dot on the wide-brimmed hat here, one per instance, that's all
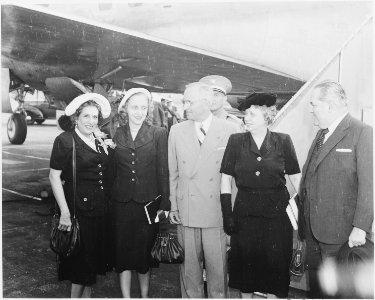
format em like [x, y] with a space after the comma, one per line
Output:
[257, 99]
[132, 92]
[79, 100]
[218, 83]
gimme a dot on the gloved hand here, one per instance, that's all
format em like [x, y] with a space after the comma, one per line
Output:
[226, 208]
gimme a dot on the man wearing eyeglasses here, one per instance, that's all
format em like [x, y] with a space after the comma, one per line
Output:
[195, 151]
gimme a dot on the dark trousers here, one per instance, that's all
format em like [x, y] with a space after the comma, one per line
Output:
[316, 253]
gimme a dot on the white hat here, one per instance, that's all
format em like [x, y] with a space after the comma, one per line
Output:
[79, 100]
[217, 82]
[132, 92]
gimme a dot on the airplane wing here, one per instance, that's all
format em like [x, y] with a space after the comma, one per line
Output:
[43, 49]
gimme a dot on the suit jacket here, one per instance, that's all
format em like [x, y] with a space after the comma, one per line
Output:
[141, 166]
[340, 193]
[194, 172]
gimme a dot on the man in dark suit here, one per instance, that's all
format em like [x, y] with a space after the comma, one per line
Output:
[337, 183]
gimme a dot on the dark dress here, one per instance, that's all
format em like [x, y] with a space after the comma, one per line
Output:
[262, 249]
[91, 207]
[141, 174]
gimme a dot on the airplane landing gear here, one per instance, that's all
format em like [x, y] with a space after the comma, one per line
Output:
[17, 128]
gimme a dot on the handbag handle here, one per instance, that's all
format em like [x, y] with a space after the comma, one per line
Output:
[74, 177]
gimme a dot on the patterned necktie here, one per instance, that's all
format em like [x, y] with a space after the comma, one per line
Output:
[202, 134]
[319, 142]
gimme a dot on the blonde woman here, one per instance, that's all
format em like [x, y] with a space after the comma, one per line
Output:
[141, 174]
[261, 233]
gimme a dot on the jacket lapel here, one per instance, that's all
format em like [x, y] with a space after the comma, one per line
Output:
[80, 143]
[144, 135]
[332, 141]
[253, 145]
[212, 139]
[304, 169]
[127, 138]
[191, 145]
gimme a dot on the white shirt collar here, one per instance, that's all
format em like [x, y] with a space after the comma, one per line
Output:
[333, 126]
[205, 124]
[89, 141]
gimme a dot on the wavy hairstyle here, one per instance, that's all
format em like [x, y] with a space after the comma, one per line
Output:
[68, 123]
[122, 116]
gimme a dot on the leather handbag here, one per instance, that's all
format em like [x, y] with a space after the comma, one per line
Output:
[297, 265]
[66, 243]
[167, 249]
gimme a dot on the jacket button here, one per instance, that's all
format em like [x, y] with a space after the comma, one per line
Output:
[101, 187]
[99, 165]
[133, 171]
[259, 158]
[257, 173]
[85, 199]
[100, 173]
[133, 153]
[100, 181]
[133, 162]
[132, 179]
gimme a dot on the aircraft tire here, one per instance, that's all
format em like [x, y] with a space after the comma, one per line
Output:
[17, 129]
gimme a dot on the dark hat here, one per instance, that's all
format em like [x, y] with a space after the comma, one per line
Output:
[350, 256]
[257, 99]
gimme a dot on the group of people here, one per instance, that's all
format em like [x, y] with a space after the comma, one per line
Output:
[217, 177]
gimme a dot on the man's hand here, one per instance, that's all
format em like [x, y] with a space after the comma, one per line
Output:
[174, 217]
[357, 237]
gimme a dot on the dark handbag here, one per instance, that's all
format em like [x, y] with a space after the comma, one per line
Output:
[167, 249]
[297, 265]
[66, 243]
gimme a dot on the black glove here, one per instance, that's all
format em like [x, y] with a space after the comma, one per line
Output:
[226, 208]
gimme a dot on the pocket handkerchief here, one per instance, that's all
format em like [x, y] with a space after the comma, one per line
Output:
[221, 148]
[343, 150]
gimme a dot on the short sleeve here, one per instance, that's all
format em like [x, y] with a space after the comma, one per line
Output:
[61, 152]
[230, 156]
[291, 162]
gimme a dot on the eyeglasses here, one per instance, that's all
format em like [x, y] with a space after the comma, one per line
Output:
[186, 103]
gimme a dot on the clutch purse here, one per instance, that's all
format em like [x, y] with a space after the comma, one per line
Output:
[167, 249]
[66, 243]
[297, 265]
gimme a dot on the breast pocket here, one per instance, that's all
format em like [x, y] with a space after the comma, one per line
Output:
[344, 161]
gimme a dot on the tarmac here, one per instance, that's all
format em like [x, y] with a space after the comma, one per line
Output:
[28, 264]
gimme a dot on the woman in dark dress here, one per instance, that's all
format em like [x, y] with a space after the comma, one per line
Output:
[261, 232]
[85, 111]
[141, 174]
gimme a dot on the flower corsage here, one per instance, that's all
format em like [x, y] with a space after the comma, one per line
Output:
[103, 141]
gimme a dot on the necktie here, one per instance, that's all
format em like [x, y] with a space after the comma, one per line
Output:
[319, 142]
[202, 134]
[97, 145]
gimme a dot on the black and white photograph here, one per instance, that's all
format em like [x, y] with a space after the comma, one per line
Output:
[187, 149]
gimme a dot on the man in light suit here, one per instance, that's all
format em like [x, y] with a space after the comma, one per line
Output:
[195, 150]
[337, 181]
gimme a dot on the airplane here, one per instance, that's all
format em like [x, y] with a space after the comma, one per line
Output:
[65, 50]
[283, 47]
